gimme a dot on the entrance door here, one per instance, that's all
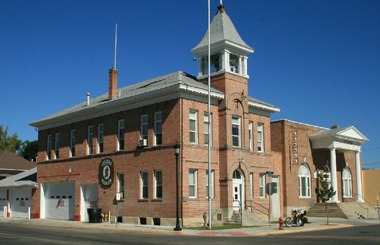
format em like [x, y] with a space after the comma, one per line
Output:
[89, 200]
[237, 190]
[276, 197]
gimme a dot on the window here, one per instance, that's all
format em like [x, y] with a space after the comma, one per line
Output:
[56, 146]
[193, 128]
[100, 138]
[212, 184]
[236, 131]
[347, 183]
[207, 126]
[250, 135]
[120, 184]
[90, 136]
[144, 127]
[120, 134]
[251, 185]
[304, 181]
[48, 147]
[72, 143]
[158, 184]
[260, 137]
[262, 185]
[193, 183]
[144, 185]
[158, 128]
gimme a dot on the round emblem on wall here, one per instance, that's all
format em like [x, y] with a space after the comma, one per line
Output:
[106, 173]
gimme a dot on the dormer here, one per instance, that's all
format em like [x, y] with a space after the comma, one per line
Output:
[228, 52]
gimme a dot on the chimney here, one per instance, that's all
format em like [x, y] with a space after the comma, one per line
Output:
[334, 126]
[112, 90]
[88, 98]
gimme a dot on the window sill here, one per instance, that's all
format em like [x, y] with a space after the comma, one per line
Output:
[143, 200]
[157, 200]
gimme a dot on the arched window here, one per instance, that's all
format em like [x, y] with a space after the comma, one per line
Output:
[304, 181]
[347, 183]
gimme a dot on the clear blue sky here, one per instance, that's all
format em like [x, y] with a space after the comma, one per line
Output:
[317, 60]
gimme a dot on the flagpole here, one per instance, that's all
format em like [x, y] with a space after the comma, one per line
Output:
[209, 122]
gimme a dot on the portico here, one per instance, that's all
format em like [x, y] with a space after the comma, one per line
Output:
[336, 140]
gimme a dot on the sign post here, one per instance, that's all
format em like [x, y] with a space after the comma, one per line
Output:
[269, 173]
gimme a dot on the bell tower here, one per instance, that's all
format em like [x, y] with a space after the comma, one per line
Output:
[228, 51]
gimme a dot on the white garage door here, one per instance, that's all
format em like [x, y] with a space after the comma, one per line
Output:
[89, 200]
[3, 201]
[20, 201]
[59, 200]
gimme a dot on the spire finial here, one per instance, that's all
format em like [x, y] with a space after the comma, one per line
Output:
[221, 2]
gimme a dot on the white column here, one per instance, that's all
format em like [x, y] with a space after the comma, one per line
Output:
[359, 189]
[333, 175]
[226, 61]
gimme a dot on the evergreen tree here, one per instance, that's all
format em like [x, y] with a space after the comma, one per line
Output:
[10, 143]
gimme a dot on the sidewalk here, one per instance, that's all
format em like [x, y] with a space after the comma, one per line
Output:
[265, 230]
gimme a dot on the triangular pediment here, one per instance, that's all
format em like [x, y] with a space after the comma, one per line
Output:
[353, 133]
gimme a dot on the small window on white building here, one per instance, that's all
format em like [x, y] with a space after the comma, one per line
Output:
[304, 181]
[347, 183]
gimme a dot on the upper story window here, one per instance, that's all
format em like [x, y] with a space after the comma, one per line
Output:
[250, 135]
[158, 128]
[211, 184]
[260, 137]
[48, 147]
[120, 134]
[56, 145]
[90, 140]
[72, 143]
[144, 127]
[100, 138]
[193, 126]
[207, 127]
[236, 131]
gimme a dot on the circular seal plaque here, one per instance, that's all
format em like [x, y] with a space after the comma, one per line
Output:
[106, 173]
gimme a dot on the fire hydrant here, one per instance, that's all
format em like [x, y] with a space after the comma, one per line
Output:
[280, 223]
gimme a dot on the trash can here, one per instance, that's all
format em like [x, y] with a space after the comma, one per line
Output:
[94, 215]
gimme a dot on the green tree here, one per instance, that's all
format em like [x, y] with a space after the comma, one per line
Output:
[11, 143]
[324, 192]
[28, 150]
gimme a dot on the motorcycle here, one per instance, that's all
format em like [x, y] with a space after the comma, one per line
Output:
[298, 218]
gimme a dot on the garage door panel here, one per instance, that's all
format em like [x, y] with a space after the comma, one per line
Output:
[20, 202]
[60, 200]
[3, 201]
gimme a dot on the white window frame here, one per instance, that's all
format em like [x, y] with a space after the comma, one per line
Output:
[144, 127]
[48, 147]
[236, 124]
[262, 185]
[120, 135]
[250, 135]
[90, 140]
[193, 118]
[144, 184]
[158, 185]
[251, 185]
[260, 137]
[72, 143]
[56, 145]
[212, 184]
[100, 138]
[347, 183]
[120, 184]
[158, 128]
[207, 122]
[304, 187]
[193, 183]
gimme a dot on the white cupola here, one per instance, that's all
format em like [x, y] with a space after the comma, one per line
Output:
[228, 50]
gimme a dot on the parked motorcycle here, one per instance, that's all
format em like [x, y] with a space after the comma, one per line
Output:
[298, 218]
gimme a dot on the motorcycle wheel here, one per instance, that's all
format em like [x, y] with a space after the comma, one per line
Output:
[288, 222]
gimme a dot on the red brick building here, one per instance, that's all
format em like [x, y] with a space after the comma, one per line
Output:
[122, 142]
[120, 146]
